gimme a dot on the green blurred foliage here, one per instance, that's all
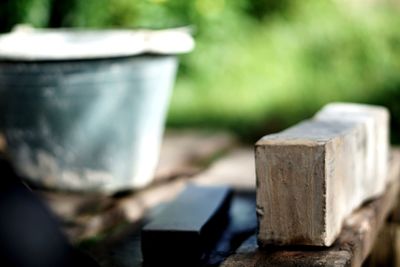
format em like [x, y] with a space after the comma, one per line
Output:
[259, 65]
[284, 68]
[35, 12]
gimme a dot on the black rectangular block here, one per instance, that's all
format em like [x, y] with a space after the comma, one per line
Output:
[187, 227]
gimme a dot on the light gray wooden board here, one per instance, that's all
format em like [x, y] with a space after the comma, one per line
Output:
[311, 176]
[375, 122]
[350, 249]
[306, 183]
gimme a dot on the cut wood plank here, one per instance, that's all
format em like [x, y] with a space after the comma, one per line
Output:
[350, 249]
[306, 184]
[375, 121]
[311, 176]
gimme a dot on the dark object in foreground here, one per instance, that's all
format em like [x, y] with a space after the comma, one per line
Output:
[29, 234]
[188, 227]
[124, 249]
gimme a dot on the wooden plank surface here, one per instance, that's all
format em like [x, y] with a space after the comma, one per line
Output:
[350, 249]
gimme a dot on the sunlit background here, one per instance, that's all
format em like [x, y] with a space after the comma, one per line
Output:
[259, 65]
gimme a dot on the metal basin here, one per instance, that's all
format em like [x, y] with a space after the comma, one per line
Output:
[90, 124]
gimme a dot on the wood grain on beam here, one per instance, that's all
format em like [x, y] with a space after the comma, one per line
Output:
[314, 174]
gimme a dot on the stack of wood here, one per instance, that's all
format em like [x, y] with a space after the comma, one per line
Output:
[312, 180]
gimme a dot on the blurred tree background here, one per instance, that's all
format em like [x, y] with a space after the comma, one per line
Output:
[259, 65]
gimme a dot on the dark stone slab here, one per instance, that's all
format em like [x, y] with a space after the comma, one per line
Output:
[123, 249]
[188, 226]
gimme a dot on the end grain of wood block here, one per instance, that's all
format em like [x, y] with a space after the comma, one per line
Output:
[310, 177]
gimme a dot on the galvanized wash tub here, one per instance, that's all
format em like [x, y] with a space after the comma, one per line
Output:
[89, 117]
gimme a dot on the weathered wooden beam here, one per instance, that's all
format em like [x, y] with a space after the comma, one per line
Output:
[311, 176]
[374, 120]
[350, 249]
